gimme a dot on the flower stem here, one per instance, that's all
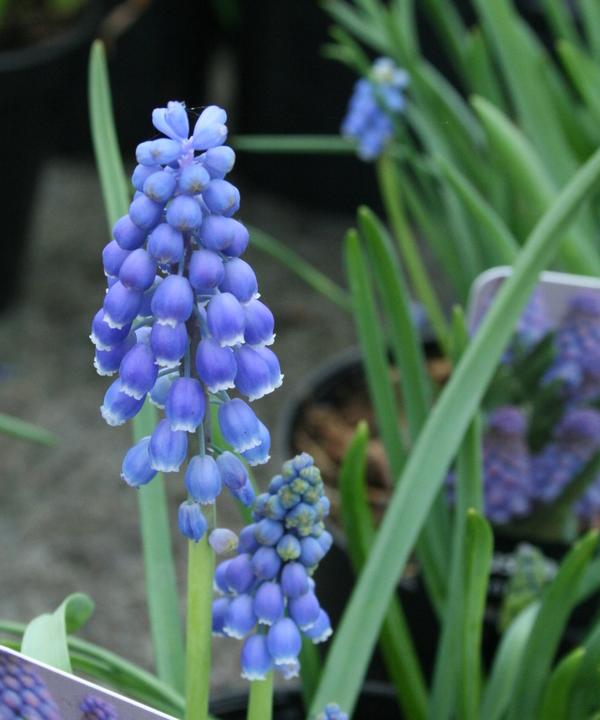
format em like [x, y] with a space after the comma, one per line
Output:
[390, 189]
[260, 704]
[199, 629]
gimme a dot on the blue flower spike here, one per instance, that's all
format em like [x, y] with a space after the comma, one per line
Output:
[332, 711]
[376, 103]
[272, 596]
[181, 323]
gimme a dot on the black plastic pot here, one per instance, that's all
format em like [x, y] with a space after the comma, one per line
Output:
[35, 84]
[376, 701]
[335, 577]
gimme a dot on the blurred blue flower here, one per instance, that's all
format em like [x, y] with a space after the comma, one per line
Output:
[376, 101]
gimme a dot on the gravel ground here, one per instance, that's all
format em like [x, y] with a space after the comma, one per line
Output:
[67, 522]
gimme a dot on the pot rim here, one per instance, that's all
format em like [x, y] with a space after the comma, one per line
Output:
[81, 32]
[229, 702]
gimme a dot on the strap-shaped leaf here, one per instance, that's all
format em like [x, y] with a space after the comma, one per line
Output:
[590, 13]
[500, 247]
[436, 446]
[45, 638]
[556, 605]
[115, 189]
[358, 23]
[499, 688]
[521, 57]
[584, 697]
[374, 352]
[390, 186]
[477, 563]
[405, 341]
[523, 168]
[381, 390]
[480, 69]
[448, 676]
[293, 144]
[555, 700]
[451, 29]
[161, 586]
[304, 270]
[395, 640]
[26, 431]
[585, 74]
[561, 20]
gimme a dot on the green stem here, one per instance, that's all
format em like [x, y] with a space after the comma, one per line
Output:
[201, 564]
[260, 704]
[390, 189]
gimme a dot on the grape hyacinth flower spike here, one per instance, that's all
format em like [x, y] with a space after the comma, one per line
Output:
[181, 324]
[578, 349]
[506, 465]
[376, 101]
[268, 595]
[332, 711]
[576, 439]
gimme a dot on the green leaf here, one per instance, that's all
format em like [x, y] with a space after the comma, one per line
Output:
[555, 700]
[304, 270]
[500, 247]
[395, 641]
[390, 187]
[405, 342]
[407, 349]
[524, 170]
[358, 24]
[45, 638]
[480, 70]
[584, 73]
[585, 696]
[556, 605]
[161, 582]
[435, 448]
[404, 26]
[161, 586]
[26, 431]
[429, 220]
[310, 670]
[294, 144]
[447, 672]
[521, 59]
[477, 563]
[590, 13]
[115, 188]
[356, 517]
[346, 50]
[499, 688]
[560, 18]
[451, 30]
[374, 351]
[382, 392]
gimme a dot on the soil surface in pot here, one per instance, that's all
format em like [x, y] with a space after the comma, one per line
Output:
[326, 420]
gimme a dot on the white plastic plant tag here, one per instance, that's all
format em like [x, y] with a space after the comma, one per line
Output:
[30, 690]
[556, 289]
